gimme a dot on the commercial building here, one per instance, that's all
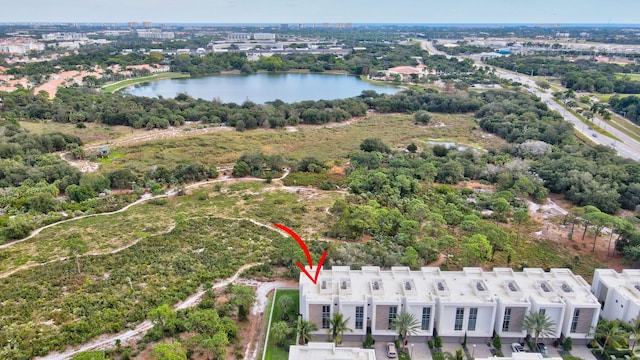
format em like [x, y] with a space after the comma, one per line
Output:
[470, 302]
[618, 293]
[155, 34]
[19, 45]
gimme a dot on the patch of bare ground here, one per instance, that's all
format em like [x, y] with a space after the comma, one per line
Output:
[550, 217]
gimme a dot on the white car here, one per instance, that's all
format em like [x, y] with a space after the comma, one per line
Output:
[516, 348]
[391, 350]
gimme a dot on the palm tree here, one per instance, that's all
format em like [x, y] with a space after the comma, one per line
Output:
[611, 332]
[406, 324]
[459, 355]
[539, 324]
[633, 328]
[337, 327]
[304, 330]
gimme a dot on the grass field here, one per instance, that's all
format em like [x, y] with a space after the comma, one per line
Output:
[267, 203]
[329, 142]
[92, 132]
[275, 352]
[110, 88]
[634, 77]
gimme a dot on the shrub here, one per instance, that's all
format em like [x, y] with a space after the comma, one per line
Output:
[430, 343]
[368, 342]
[497, 342]
[567, 344]
[438, 342]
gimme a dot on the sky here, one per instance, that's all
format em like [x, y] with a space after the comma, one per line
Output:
[305, 11]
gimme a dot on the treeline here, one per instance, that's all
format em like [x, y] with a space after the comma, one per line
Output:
[629, 106]
[463, 48]
[581, 75]
[77, 105]
[587, 176]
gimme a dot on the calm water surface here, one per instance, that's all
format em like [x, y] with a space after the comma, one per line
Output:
[261, 88]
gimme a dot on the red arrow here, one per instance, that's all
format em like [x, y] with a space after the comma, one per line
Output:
[314, 279]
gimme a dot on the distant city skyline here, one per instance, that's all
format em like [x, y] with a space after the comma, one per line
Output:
[332, 11]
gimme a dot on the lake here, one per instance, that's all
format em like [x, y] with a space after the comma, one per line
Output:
[260, 88]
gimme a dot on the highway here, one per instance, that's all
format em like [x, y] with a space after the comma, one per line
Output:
[628, 147]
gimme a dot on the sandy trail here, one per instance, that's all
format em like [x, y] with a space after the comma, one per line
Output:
[107, 341]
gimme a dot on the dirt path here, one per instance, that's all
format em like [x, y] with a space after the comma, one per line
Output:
[144, 198]
[107, 341]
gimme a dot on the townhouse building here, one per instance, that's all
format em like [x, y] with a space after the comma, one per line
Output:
[453, 304]
[618, 293]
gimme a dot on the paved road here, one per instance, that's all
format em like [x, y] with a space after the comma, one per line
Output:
[628, 147]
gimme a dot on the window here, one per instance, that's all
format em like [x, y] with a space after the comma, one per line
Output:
[359, 317]
[506, 320]
[393, 311]
[542, 311]
[459, 317]
[574, 320]
[326, 314]
[426, 318]
[473, 316]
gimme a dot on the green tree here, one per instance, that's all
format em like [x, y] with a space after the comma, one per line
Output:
[215, 345]
[599, 220]
[374, 144]
[76, 247]
[422, 117]
[285, 303]
[475, 249]
[538, 324]
[164, 317]
[279, 332]
[633, 328]
[304, 330]
[204, 322]
[405, 324]
[243, 298]
[610, 332]
[166, 351]
[410, 257]
[337, 327]
[241, 169]
[520, 216]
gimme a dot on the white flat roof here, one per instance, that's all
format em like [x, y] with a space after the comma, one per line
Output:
[522, 356]
[471, 285]
[627, 283]
[328, 351]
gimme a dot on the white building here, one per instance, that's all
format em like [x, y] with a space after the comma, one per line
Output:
[455, 303]
[264, 37]
[619, 293]
[522, 356]
[238, 37]
[328, 351]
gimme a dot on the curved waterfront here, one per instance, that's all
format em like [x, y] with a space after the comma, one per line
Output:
[261, 88]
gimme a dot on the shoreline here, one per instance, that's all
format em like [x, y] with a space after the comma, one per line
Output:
[119, 85]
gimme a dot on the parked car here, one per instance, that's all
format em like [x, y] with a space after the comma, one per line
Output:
[516, 347]
[542, 348]
[391, 350]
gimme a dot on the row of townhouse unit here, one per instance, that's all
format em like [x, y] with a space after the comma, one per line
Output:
[453, 303]
[618, 293]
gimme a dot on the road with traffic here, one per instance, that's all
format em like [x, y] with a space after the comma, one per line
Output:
[627, 146]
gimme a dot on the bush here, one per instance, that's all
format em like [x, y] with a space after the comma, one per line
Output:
[567, 344]
[368, 342]
[497, 342]
[430, 343]
[438, 342]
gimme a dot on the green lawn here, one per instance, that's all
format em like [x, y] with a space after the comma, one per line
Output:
[275, 352]
[113, 87]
